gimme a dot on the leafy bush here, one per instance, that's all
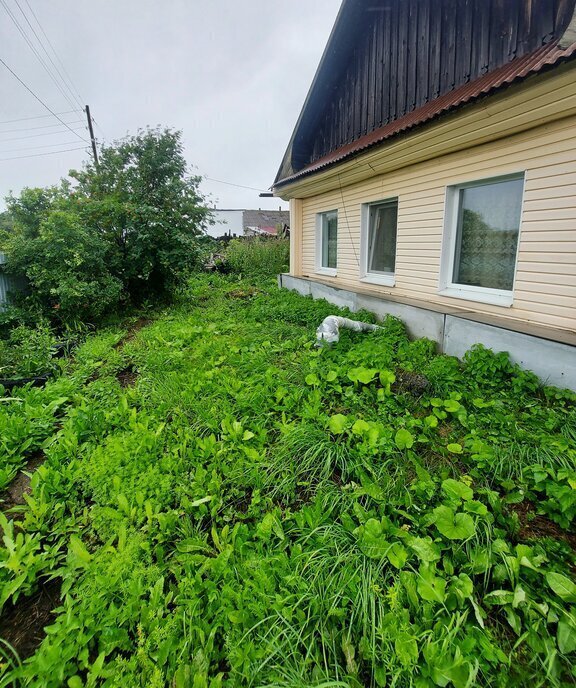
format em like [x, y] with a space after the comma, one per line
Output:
[128, 231]
[258, 256]
[66, 265]
[150, 213]
[6, 229]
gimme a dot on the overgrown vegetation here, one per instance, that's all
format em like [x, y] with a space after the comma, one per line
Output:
[252, 511]
[27, 352]
[123, 232]
[258, 256]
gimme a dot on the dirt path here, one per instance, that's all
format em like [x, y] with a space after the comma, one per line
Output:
[22, 624]
[132, 331]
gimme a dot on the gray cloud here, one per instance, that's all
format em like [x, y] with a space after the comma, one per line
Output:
[231, 75]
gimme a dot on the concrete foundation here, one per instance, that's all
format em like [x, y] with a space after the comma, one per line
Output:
[554, 362]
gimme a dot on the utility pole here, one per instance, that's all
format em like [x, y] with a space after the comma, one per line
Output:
[94, 149]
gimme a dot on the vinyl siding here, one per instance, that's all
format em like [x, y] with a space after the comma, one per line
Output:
[545, 284]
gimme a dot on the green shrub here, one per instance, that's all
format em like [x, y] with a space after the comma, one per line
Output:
[130, 230]
[66, 266]
[258, 256]
[141, 200]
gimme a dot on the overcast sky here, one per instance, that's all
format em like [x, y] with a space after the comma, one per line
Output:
[231, 74]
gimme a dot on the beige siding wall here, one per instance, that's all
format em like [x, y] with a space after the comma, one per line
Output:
[545, 287]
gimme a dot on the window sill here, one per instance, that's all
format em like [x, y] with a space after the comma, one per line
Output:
[327, 272]
[493, 297]
[381, 280]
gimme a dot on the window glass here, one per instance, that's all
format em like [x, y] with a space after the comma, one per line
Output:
[382, 230]
[329, 239]
[487, 234]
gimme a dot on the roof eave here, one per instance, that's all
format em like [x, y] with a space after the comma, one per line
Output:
[544, 59]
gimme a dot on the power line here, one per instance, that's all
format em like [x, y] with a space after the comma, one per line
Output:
[45, 133]
[38, 155]
[43, 126]
[36, 53]
[40, 100]
[26, 119]
[240, 186]
[48, 145]
[73, 89]
[41, 44]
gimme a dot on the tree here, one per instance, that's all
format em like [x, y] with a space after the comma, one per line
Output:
[6, 229]
[127, 229]
[140, 200]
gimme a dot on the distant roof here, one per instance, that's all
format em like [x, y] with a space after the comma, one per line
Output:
[265, 218]
[545, 57]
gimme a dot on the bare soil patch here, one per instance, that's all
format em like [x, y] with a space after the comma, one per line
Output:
[20, 486]
[533, 525]
[408, 382]
[22, 624]
[127, 376]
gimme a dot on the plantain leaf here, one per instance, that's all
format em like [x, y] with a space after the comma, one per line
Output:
[455, 489]
[562, 586]
[363, 375]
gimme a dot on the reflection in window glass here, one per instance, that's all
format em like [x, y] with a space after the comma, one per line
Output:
[382, 230]
[487, 234]
[329, 247]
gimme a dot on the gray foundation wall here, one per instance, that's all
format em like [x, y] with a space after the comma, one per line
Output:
[553, 362]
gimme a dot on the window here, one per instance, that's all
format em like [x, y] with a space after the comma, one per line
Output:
[481, 239]
[327, 242]
[378, 242]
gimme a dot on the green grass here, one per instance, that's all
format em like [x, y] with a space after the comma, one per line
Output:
[253, 511]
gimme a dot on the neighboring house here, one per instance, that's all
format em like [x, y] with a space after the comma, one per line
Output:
[432, 174]
[247, 222]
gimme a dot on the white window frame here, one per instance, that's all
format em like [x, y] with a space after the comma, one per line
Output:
[386, 279]
[320, 269]
[496, 297]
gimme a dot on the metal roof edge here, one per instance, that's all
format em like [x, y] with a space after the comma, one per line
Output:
[543, 59]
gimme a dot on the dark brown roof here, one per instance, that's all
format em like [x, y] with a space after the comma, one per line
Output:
[516, 70]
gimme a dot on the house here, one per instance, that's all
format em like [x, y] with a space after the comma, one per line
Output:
[432, 174]
[244, 222]
[266, 222]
